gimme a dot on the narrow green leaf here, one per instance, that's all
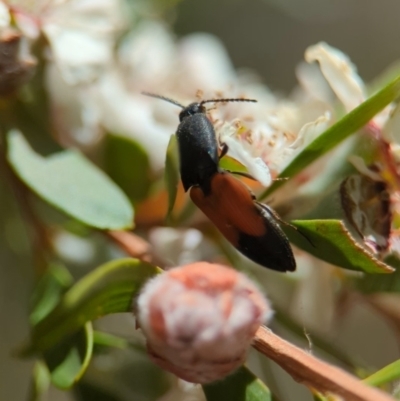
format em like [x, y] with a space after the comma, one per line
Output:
[40, 382]
[242, 385]
[68, 360]
[109, 340]
[69, 182]
[127, 163]
[385, 375]
[171, 173]
[108, 289]
[332, 243]
[103, 339]
[349, 124]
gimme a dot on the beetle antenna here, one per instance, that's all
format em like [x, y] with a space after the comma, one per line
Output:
[227, 100]
[167, 99]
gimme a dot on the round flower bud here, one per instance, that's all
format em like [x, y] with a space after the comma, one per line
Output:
[200, 319]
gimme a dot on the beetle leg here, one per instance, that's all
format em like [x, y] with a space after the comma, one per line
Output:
[276, 216]
[241, 174]
[224, 150]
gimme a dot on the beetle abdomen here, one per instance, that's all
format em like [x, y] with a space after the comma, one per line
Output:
[247, 225]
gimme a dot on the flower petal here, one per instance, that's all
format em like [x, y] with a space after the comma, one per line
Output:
[204, 63]
[127, 114]
[148, 55]
[80, 57]
[362, 168]
[255, 165]
[177, 246]
[311, 130]
[314, 83]
[5, 17]
[340, 73]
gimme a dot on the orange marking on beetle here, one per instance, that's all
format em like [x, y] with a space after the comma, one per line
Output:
[230, 207]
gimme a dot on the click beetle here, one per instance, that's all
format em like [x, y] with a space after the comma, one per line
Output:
[250, 226]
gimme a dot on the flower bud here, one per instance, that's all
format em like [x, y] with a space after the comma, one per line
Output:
[200, 319]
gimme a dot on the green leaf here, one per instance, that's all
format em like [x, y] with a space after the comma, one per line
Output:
[68, 360]
[319, 397]
[48, 292]
[349, 124]
[69, 182]
[332, 243]
[108, 289]
[171, 173]
[381, 283]
[231, 164]
[385, 375]
[239, 386]
[40, 382]
[127, 163]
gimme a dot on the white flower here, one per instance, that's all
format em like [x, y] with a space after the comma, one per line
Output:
[266, 137]
[263, 136]
[177, 246]
[340, 75]
[73, 248]
[81, 33]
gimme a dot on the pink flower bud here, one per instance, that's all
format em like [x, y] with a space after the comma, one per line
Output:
[200, 319]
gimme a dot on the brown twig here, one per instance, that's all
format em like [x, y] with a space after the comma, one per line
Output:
[312, 372]
[133, 245]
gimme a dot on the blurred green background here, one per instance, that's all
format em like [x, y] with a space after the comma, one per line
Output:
[268, 37]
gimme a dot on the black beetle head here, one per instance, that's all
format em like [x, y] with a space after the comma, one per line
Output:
[193, 108]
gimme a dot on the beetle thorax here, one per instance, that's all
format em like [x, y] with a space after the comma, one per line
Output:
[193, 108]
